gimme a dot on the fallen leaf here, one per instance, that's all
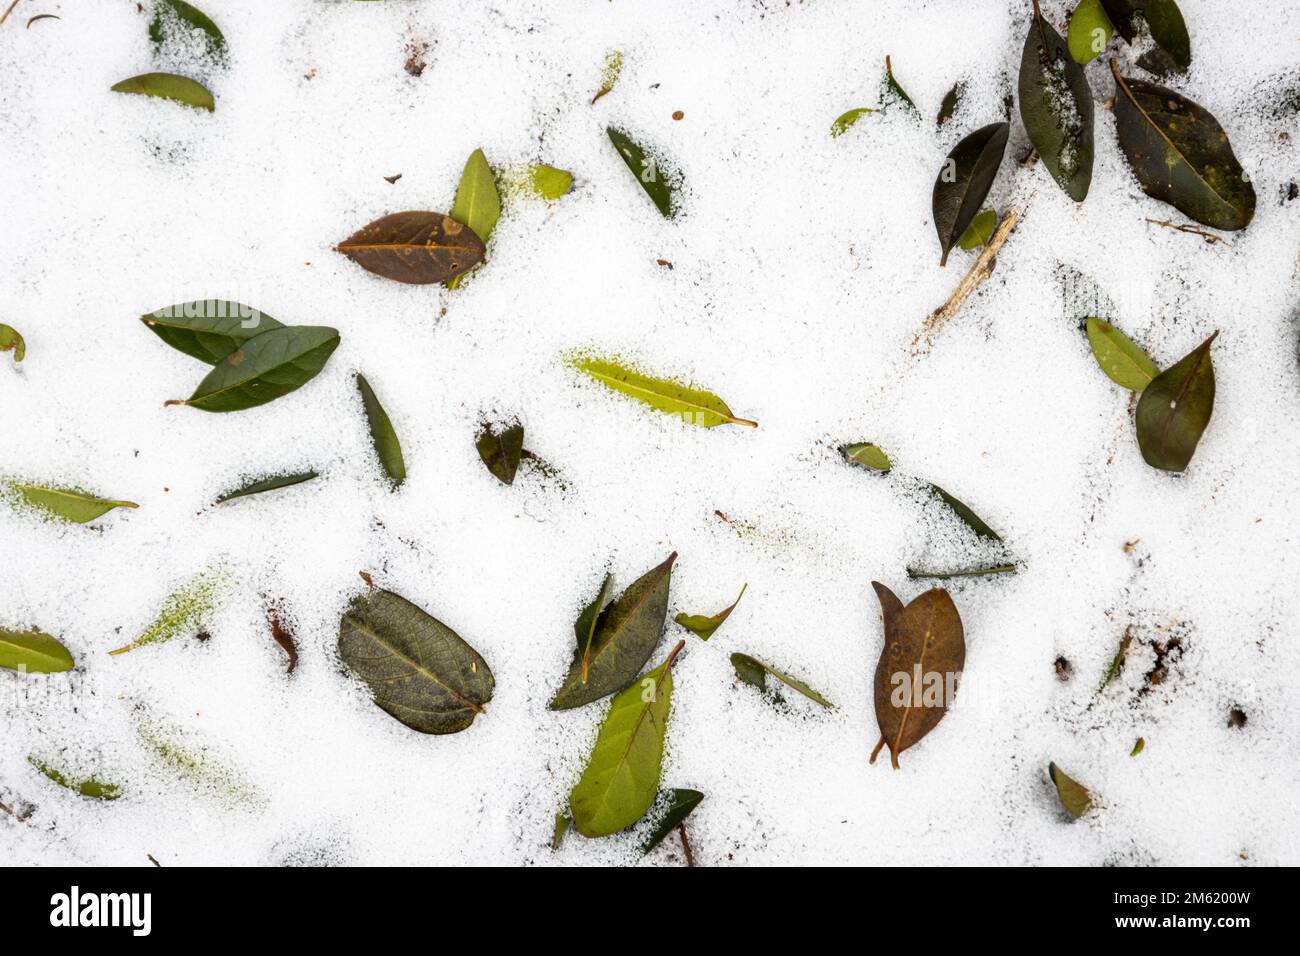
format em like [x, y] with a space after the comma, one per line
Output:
[69, 504]
[259, 485]
[12, 341]
[951, 99]
[703, 626]
[1138, 747]
[1164, 22]
[548, 181]
[208, 329]
[1090, 30]
[194, 765]
[613, 67]
[168, 86]
[501, 450]
[584, 628]
[382, 434]
[657, 181]
[754, 672]
[90, 787]
[1056, 107]
[185, 611]
[1074, 796]
[34, 652]
[894, 93]
[1175, 409]
[174, 15]
[281, 634]
[980, 230]
[692, 405]
[414, 247]
[266, 367]
[964, 181]
[845, 120]
[1123, 362]
[478, 204]
[968, 517]
[868, 455]
[680, 803]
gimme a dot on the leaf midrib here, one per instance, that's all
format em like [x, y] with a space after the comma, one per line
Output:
[418, 668]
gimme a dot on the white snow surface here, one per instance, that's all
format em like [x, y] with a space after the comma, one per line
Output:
[802, 268]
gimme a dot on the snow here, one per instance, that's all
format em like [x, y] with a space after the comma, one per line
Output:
[803, 267]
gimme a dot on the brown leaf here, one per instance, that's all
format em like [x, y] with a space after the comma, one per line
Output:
[920, 664]
[415, 247]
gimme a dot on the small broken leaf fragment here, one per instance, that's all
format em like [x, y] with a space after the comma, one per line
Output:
[208, 329]
[168, 86]
[34, 652]
[1090, 30]
[186, 610]
[69, 504]
[419, 670]
[90, 787]
[868, 455]
[548, 181]
[382, 434]
[703, 626]
[171, 15]
[1175, 409]
[12, 341]
[968, 517]
[844, 122]
[415, 247]
[680, 805]
[694, 406]
[1119, 357]
[951, 99]
[980, 230]
[501, 450]
[1138, 747]
[478, 204]
[1073, 795]
[964, 181]
[754, 672]
[266, 367]
[658, 182]
[1056, 107]
[920, 664]
[562, 824]
[609, 76]
[272, 483]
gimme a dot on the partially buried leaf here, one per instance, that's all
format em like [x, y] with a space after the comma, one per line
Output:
[478, 204]
[208, 329]
[692, 405]
[34, 652]
[273, 483]
[980, 230]
[754, 672]
[1175, 409]
[169, 86]
[621, 779]
[186, 610]
[69, 504]
[968, 517]
[625, 636]
[12, 341]
[382, 434]
[658, 182]
[1117, 661]
[1122, 361]
[964, 181]
[548, 181]
[1073, 795]
[420, 671]
[1164, 21]
[1090, 31]
[170, 15]
[951, 99]
[845, 120]
[920, 664]
[1056, 107]
[680, 805]
[703, 626]
[90, 787]
[609, 76]
[868, 455]
[1181, 155]
[894, 92]
[194, 765]
[501, 450]
[264, 368]
[414, 247]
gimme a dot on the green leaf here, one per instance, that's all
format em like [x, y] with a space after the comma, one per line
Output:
[562, 824]
[867, 454]
[680, 805]
[753, 671]
[1181, 155]
[1074, 796]
[1116, 662]
[692, 405]
[208, 329]
[501, 450]
[1175, 409]
[195, 766]
[33, 651]
[168, 86]
[478, 204]
[420, 671]
[703, 626]
[894, 93]
[272, 483]
[1164, 22]
[382, 434]
[416, 247]
[548, 181]
[1138, 746]
[625, 636]
[1056, 107]
[584, 628]
[90, 787]
[980, 230]
[1090, 31]
[613, 67]
[12, 341]
[658, 182]
[846, 120]
[964, 181]
[1123, 362]
[186, 611]
[170, 14]
[968, 517]
[264, 368]
[622, 775]
[69, 504]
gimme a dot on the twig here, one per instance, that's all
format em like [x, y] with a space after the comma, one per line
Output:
[1209, 237]
[152, 860]
[686, 845]
[5, 16]
[981, 270]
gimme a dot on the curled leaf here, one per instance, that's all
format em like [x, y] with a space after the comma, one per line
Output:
[1056, 106]
[703, 626]
[754, 672]
[501, 450]
[657, 181]
[90, 787]
[169, 86]
[692, 405]
[259, 485]
[844, 121]
[414, 247]
[69, 504]
[12, 341]
[208, 329]
[609, 76]
[1073, 795]
[282, 635]
[964, 182]
[584, 628]
[382, 434]
[264, 368]
[1175, 409]
[679, 806]
[34, 652]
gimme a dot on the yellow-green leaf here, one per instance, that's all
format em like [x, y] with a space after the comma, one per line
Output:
[548, 181]
[1073, 795]
[478, 204]
[692, 405]
[845, 120]
[1122, 361]
[34, 652]
[194, 765]
[980, 230]
[12, 341]
[69, 504]
[703, 625]
[185, 611]
[90, 787]
[867, 454]
[1090, 31]
[169, 86]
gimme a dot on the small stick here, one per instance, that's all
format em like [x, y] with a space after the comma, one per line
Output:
[981, 270]
[5, 16]
[686, 845]
[1209, 237]
[152, 860]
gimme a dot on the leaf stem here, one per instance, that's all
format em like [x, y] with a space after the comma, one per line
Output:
[686, 845]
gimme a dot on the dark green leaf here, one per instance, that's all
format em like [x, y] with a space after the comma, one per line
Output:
[680, 805]
[1090, 31]
[172, 14]
[169, 86]
[659, 183]
[584, 628]
[264, 368]
[272, 483]
[894, 92]
[964, 181]
[33, 651]
[12, 341]
[968, 517]
[1056, 107]
[414, 247]
[702, 625]
[501, 450]
[90, 787]
[1116, 662]
[420, 670]
[1074, 796]
[67, 503]
[1181, 155]
[1164, 21]
[208, 329]
[626, 635]
[753, 671]
[1175, 409]
[382, 434]
[1123, 362]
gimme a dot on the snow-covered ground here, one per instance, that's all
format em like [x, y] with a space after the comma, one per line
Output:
[802, 268]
